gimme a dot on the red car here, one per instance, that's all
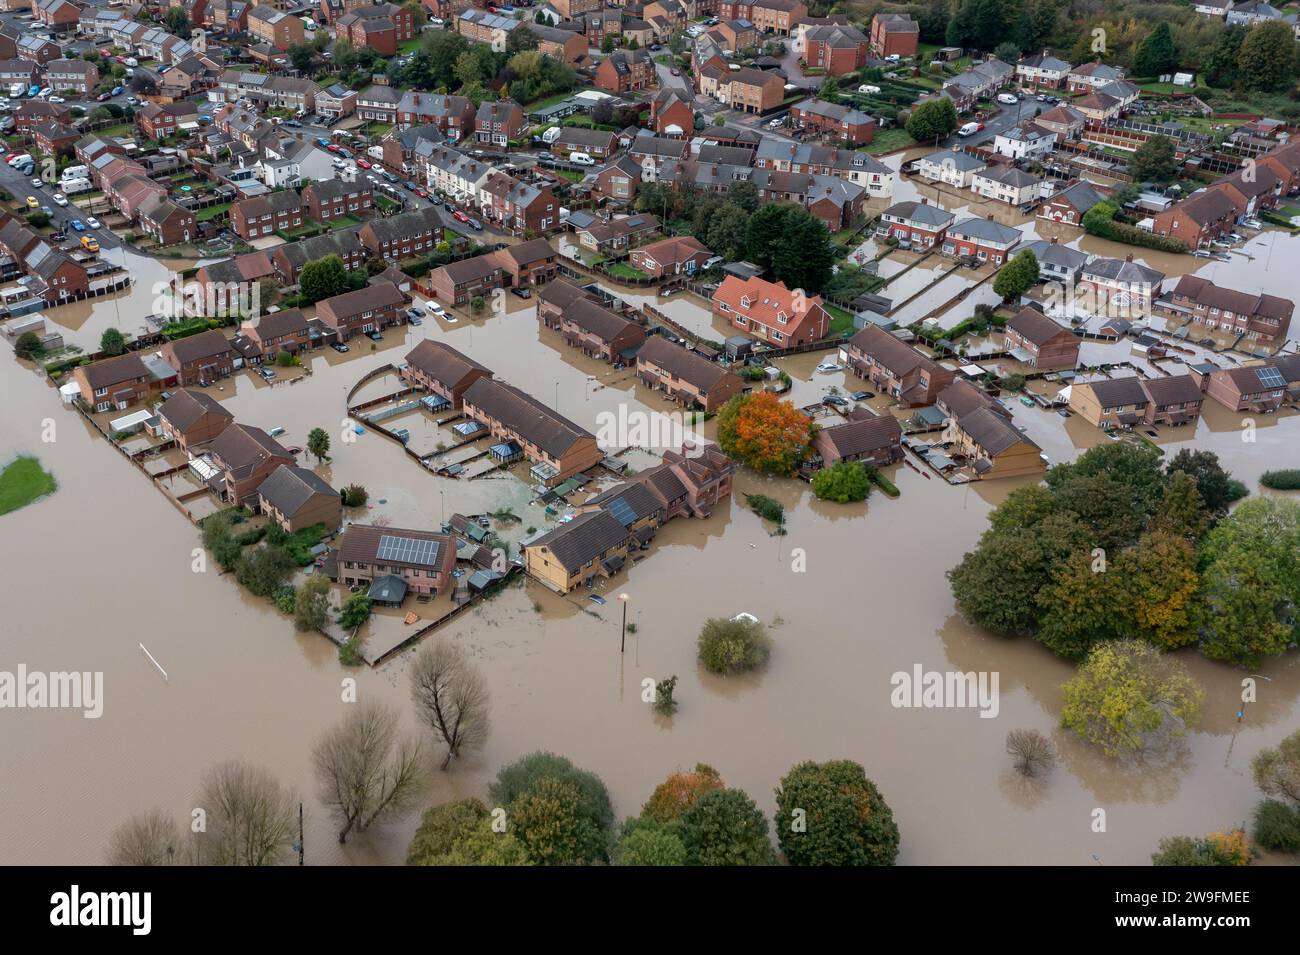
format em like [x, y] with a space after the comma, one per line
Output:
[423, 194]
[363, 164]
[333, 147]
[979, 127]
[460, 216]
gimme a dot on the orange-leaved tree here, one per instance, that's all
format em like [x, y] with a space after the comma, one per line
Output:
[764, 432]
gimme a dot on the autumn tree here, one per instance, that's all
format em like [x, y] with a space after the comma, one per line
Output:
[366, 770]
[680, 791]
[765, 433]
[832, 814]
[1128, 698]
[1032, 752]
[1216, 849]
[451, 697]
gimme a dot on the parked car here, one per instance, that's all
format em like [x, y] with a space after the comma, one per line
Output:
[37, 183]
[437, 310]
[374, 336]
[836, 401]
[476, 225]
[276, 431]
[92, 222]
[414, 312]
[117, 90]
[60, 199]
[78, 226]
[364, 164]
[267, 374]
[294, 450]
[460, 216]
[33, 202]
[521, 291]
[339, 347]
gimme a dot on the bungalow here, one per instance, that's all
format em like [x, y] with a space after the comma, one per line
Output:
[876, 441]
[1008, 184]
[444, 371]
[895, 367]
[914, 223]
[296, 498]
[685, 376]
[1110, 403]
[368, 309]
[671, 256]
[192, 418]
[1260, 318]
[596, 143]
[114, 383]
[770, 311]
[395, 560]
[601, 333]
[980, 430]
[1036, 340]
[843, 123]
[617, 234]
[1070, 204]
[558, 447]
[244, 456]
[591, 545]
[951, 166]
[1175, 400]
[982, 239]
[201, 359]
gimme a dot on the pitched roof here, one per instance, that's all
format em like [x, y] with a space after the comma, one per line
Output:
[242, 448]
[185, 408]
[363, 543]
[110, 371]
[1032, 325]
[203, 345]
[290, 487]
[863, 435]
[583, 539]
[896, 356]
[1176, 389]
[1113, 392]
[526, 416]
[443, 363]
[689, 366]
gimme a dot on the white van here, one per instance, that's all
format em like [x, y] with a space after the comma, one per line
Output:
[75, 172]
[581, 159]
[131, 61]
[551, 135]
[1008, 99]
[970, 129]
[17, 90]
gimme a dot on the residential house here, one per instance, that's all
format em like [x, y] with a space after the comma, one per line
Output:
[600, 333]
[596, 143]
[896, 368]
[618, 234]
[528, 263]
[1042, 71]
[1259, 318]
[441, 369]
[335, 198]
[368, 309]
[59, 16]
[558, 447]
[591, 545]
[843, 123]
[876, 441]
[517, 205]
[567, 46]
[1175, 400]
[1056, 262]
[980, 432]
[1261, 387]
[281, 30]
[951, 166]
[166, 222]
[1026, 141]
[836, 49]
[625, 71]
[752, 91]
[192, 418]
[1122, 282]
[1066, 121]
[1011, 185]
[619, 179]
[264, 215]
[672, 256]
[114, 383]
[1198, 219]
[263, 338]
[685, 376]
[458, 283]
[297, 498]
[1109, 404]
[289, 259]
[770, 311]
[1070, 204]
[1088, 77]
[1036, 340]
[201, 359]
[77, 75]
[479, 26]
[393, 561]
[913, 223]
[403, 236]
[244, 457]
[452, 115]
[985, 240]
[894, 35]
[159, 121]
[499, 123]
[381, 27]
[671, 114]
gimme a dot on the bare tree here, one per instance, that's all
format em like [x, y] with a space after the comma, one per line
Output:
[365, 770]
[248, 817]
[451, 696]
[1032, 751]
[147, 838]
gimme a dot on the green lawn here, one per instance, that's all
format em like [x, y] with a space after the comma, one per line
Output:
[841, 320]
[342, 222]
[406, 46]
[890, 140]
[212, 212]
[24, 481]
[621, 270]
[547, 101]
[121, 129]
[573, 175]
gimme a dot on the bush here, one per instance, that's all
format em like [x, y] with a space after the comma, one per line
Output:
[1277, 826]
[846, 820]
[1286, 480]
[733, 646]
[843, 482]
[354, 495]
[285, 598]
[766, 507]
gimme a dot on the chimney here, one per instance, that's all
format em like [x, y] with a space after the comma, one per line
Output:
[989, 217]
[1129, 257]
[925, 201]
[1053, 240]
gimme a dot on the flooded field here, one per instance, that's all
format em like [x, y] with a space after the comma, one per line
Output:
[872, 600]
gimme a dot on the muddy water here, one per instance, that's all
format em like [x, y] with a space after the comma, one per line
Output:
[871, 600]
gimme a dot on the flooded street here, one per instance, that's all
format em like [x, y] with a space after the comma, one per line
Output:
[870, 600]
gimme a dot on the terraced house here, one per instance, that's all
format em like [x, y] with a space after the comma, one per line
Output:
[403, 236]
[1256, 317]
[443, 370]
[259, 216]
[983, 437]
[452, 115]
[896, 368]
[770, 16]
[335, 198]
[368, 309]
[875, 440]
[289, 259]
[1261, 387]
[686, 377]
[1109, 404]
[591, 545]
[601, 333]
[265, 337]
[557, 447]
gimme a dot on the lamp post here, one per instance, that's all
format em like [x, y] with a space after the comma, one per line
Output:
[622, 637]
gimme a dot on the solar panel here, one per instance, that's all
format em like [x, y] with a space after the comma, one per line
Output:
[623, 511]
[408, 550]
[1270, 378]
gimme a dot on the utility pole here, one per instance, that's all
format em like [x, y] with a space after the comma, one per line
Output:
[622, 641]
[301, 847]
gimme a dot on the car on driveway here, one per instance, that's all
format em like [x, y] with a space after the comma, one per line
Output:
[521, 291]
[414, 313]
[836, 401]
[363, 164]
[339, 347]
[267, 374]
[862, 395]
[117, 90]
[374, 336]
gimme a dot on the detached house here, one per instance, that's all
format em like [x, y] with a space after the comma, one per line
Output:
[896, 368]
[114, 383]
[626, 70]
[393, 560]
[1036, 340]
[296, 498]
[771, 312]
[192, 418]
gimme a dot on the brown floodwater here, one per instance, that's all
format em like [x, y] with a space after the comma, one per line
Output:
[856, 592]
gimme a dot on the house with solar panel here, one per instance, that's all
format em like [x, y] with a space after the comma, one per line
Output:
[1263, 387]
[392, 562]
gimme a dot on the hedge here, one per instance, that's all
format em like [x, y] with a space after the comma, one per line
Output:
[1285, 480]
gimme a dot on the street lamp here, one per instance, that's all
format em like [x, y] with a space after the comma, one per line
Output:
[622, 640]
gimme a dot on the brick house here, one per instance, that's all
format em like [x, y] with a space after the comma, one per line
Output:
[770, 16]
[335, 198]
[981, 434]
[499, 122]
[167, 222]
[1198, 219]
[1261, 387]
[403, 236]
[843, 123]
[61, 16]
[619, 179]
[896, 368]
[192, 418]
[618, 234]
[1036, 340]
[158, 121]
[518, 206]
[771, 312]
[444, 371]
[280, 29]
[685, 376]
[528, 263]
[671, 256]
[981, 239]
[876, 441]
[457, 283]
[1175, 400]
[381, 27]
[1110, 403]
[596, 143]
[368, 309]
[567, 46]
[600, 333]
[264, 215]
[894, 34]
[1122, 282]
[591, 545]
[752, 91]
[289, 259]
[34, 112]
[273, 332]
[423, 561]
[114, 383]
[1070, 204]
[295, 498]
[1260, 318]
[201, 359]
[836, 49]
[77, 75]
[452, 115]
[55, 139]
[671, 115]
[1042, 71]
[917, 224]
[244, 456]
[558, 447]
[624, 71]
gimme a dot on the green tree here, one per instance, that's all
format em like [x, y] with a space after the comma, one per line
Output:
[524, 774]
[725, 232]
[933, 119]
[733, 646]
[322, 279]
[1267, 59]
[355, 611]
[842, 817]
[1216, 849]
[302, 57]
[29, 346]
[1128, 697]
[311, 604]
[218, 539]
[829, 91]
[263, 569]
[1077, 609]
[1221, 65]
[112, 342]
[1181, 510]
[1008, 51]
[794, 243]
[1155, 55]
[1018, 276]
[725, 828]
[1277, 826]
[484, 846]
[178, 22]
[1277, 771]
[318, 443]
[842, 482]
[440, 827]
[648, 842]
[548, 821]
[1154, 161]
[1215, 485]
[1156, 586]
